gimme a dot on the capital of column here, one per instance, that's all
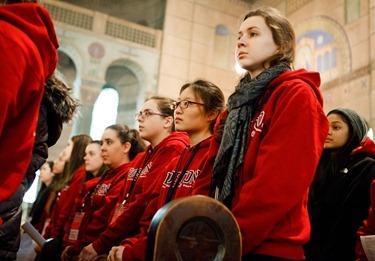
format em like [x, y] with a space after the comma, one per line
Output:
[89, 91]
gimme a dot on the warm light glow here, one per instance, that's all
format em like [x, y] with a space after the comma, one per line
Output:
[370, 134]
[104, 113]
[31, 194]
[239, 70]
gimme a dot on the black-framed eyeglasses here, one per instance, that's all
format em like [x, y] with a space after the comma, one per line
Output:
[146, 113]
[183, 104]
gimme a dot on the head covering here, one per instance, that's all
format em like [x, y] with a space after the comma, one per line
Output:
[355, 121]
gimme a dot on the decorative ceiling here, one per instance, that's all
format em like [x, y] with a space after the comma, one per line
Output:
[149, 13]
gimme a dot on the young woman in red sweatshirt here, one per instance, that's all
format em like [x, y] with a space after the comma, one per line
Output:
[273, 135]
[61, 200]
[156, 125]
[196, 110]
[120, 145]
[69, 185]
[95, 169]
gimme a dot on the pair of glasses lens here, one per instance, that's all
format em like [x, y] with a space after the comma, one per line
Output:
[145, 114]
[183, 104]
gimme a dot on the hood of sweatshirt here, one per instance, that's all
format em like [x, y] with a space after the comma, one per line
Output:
[311, 78]
[367, 146]
[35, 21]
[174, 138]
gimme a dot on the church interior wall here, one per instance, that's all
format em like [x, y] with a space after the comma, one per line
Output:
[189, 46]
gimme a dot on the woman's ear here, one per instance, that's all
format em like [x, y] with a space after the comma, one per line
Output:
[127, 147]
[168, 122]
[212, 115]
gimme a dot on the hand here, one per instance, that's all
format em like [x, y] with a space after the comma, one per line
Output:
[65, 256]
[37, 249]
[87, 253]
[116, 253]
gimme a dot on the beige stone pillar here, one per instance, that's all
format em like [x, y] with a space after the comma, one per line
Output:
[89, 92]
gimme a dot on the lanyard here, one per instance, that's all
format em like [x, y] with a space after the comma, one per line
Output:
[92, 191]
[178, 175]
[137, 174]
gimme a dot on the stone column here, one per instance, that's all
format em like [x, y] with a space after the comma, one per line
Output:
[89, 92]
[372, 61]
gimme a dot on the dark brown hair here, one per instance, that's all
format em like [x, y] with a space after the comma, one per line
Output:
[76, 160]
[125, 134]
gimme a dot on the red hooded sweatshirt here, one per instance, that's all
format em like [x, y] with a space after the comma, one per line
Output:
[97, 206]
[28, 46]
[284, 145]
[148, 169]
[168, 188]
[77, 204]
[64, 205]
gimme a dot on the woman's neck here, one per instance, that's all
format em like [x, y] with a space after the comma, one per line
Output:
[155, 141]
[47, 183]
[197, 137]
[118, 164]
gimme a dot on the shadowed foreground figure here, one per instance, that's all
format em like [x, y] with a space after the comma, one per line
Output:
[28, 46]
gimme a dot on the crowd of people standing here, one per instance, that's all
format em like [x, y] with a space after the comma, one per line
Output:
[299, 183]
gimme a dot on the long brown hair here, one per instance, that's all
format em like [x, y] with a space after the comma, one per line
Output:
[76, 160]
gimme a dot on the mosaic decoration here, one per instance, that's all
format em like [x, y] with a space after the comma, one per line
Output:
[322, 45]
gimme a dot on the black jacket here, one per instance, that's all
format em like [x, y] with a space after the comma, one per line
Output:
[338, 208]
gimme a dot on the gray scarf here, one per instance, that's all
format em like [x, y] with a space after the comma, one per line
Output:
[242, 106]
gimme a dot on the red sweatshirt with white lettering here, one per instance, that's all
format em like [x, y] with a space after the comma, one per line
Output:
[97, 206]
[141, 181]
[177, 182]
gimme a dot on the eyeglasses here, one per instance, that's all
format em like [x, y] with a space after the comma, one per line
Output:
[183, 104]
[146, 113]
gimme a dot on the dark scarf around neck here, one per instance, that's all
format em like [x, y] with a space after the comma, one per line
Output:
[242, 106]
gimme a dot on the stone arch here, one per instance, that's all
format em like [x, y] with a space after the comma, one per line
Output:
[75, 56]
[67, 67]
[129, 79]
[334, 29]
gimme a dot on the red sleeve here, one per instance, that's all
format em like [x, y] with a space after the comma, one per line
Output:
[138, 243]
[135, 248]
[66, 202]
[118, 230]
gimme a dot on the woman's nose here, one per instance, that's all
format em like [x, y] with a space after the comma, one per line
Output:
[240, 42]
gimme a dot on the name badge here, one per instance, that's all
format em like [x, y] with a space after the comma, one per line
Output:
[74, 229]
